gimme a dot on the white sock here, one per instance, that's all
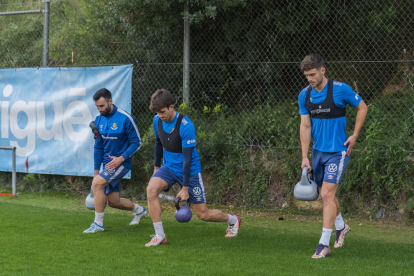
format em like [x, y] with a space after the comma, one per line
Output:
[159, 230]
[326, 236]
[138, 209]
[232, 219]
[99, 218]
[339, 222]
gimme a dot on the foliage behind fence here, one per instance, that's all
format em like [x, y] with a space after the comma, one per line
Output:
[245, 79]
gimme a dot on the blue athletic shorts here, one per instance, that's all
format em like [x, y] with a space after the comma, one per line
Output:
[195, 187]
[329, 166]
[114, 178]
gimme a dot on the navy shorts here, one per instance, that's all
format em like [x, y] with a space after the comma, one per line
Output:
[329, 166]
[114, 178]
[195, 187]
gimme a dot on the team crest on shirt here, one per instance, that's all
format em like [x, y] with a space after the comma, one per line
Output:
[114, 126]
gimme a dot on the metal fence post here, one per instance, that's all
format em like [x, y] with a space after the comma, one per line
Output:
[14, 171]
[186, 72]
[13, 149]
[46, 13]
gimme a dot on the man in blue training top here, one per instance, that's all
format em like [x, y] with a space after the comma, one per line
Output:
[176, 141]
[117, 141]
[322, 108]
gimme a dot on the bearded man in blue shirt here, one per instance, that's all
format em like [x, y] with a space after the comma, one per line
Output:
[175, 143]
[117, 141]
[322, 107]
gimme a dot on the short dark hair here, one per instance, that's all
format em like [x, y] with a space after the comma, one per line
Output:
[103, 92]
[312, 61]
[160, 99]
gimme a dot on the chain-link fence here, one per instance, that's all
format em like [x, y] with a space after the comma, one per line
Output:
[246, 57]
[244, 69]
[21, 35]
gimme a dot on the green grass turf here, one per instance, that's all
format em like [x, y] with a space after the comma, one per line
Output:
[41, 234]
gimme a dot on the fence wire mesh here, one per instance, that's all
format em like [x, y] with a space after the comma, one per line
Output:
[244, 59]
[244, 79]
[21, 35]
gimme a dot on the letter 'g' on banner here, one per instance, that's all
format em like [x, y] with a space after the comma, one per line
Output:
[45, 113]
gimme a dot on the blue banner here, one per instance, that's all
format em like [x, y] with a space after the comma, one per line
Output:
[45, 113]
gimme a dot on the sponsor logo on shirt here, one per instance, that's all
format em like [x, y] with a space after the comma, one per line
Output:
[109, 138]
[190, 141]
[330, 176]
[320, 110]
[337, 83]
[356, 97]
[114, 126]
[184, 121]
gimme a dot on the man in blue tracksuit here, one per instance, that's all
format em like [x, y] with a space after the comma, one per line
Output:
[118, 139]
[176, 142]
[322, 107]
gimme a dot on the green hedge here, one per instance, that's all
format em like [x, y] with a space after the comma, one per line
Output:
[237, 172]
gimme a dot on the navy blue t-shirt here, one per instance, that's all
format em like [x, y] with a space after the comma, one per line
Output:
[329, 135]
[119, 136]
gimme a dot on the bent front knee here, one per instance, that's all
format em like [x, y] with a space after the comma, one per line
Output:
[97, 184]
[97, 187]
[152, 192]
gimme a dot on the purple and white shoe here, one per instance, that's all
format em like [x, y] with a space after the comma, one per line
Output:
[322, 251]
[340, 236]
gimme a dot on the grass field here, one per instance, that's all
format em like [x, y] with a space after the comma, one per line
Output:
[41, 234]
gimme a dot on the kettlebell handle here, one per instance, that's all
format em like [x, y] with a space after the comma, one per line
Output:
[306, 178]
[305, 173]
[177, 203]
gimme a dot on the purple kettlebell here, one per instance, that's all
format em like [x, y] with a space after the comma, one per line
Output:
[182, 214]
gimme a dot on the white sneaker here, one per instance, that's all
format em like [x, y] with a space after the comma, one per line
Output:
[138, 217]
[233, 230]
[156, 240]
[94, 228]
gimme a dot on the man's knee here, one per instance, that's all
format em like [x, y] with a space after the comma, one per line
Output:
[155, 187]
[114, 204]
[327, 196]
[203, 214]
[98, 182]
[152, 191]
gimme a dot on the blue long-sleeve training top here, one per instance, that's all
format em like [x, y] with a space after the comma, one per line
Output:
[119, 136]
